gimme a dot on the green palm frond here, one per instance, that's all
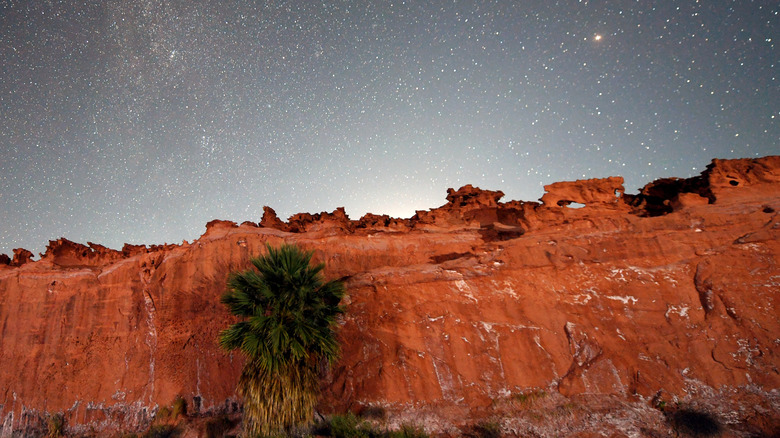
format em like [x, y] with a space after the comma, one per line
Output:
[233, 337]
[290, 323]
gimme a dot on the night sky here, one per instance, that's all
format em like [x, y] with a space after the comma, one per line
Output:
[140, 121]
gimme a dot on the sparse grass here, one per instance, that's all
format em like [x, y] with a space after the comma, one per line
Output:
[349, 426]
[564, 409]
[55, 425]
[179, 408]
[691, 422]
[408, 431]
[527, 399]
[557, 412]
[163, 414]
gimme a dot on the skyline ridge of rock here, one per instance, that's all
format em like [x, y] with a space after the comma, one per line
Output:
[660, 196]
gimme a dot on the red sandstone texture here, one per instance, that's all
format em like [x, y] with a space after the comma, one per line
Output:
[583, 317]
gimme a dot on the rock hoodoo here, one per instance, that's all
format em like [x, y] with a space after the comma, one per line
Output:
[476, 309]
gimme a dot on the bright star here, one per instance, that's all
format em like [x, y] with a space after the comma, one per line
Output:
[597, 37]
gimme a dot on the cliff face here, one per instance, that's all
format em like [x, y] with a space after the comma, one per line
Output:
[453, 314]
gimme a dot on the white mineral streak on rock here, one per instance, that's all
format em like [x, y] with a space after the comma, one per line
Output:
[624, 300]
[680, 310]
[464, 288]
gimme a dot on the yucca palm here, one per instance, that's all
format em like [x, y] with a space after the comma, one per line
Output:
[289, 331]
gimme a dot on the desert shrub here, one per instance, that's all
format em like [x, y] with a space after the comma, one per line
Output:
[694, 423]
[373, 412]
[179, 408]
[219, 426]
[162, 431]
[349, 426]
[408, 431]
[163, 413]
[55, 425]
[485, 429]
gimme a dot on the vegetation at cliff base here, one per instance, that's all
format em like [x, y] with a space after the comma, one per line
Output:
[55, 425]
[694, 423]
[287, 333]
[351, 426]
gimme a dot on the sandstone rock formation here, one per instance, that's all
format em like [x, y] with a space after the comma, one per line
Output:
[602, 192]
[461, 312]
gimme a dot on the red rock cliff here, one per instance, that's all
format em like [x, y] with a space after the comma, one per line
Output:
[671, 293]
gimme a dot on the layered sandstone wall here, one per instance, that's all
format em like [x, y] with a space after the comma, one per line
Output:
[674, 289]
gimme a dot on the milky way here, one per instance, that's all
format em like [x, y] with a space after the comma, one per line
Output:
[139, 121]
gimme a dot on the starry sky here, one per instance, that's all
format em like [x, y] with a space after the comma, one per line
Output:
[140, 120]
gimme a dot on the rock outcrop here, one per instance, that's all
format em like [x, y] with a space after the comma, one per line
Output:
[476, 309]
[602, 192]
